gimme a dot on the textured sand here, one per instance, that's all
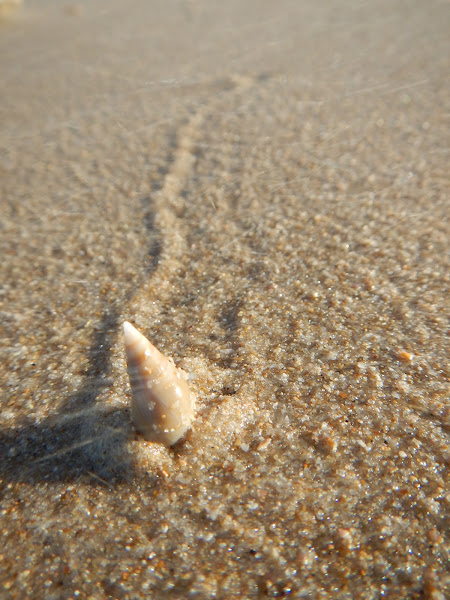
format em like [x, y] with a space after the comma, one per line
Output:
[262, 188]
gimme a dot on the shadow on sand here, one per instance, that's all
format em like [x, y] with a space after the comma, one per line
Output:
[85, 438]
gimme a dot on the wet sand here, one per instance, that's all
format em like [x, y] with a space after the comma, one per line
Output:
[264, 194]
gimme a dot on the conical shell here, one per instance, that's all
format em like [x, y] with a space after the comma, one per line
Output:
[162, 405]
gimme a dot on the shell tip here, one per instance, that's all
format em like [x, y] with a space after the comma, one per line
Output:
[130, 333]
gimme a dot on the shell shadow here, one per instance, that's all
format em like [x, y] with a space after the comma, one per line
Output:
[83, 438]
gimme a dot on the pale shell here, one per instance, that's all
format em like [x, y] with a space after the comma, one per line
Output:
[162, 405]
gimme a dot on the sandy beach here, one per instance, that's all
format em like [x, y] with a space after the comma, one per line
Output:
[262, 189]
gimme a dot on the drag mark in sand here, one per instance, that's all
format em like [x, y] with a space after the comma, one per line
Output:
[168, 206]
[169, 199]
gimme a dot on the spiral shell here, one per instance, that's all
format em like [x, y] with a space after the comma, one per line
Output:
[162, 405]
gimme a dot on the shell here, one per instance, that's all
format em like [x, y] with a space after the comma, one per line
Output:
[162, 405]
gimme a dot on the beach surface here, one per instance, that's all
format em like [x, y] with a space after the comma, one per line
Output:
[262, 189]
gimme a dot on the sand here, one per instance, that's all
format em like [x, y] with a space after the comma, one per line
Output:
[262, 189]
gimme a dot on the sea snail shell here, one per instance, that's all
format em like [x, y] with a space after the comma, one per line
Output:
[162, 405]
